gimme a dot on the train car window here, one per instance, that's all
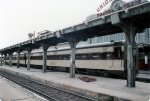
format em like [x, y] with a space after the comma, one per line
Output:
[31, 57]
[108, 55]
[8, 58]
[49, 57]
[21, 58]
[36, 57]
[52, 57]
[117, 52]
[62, 57]
[69, 57]
[104, 55]
[84, 56]
[66, 57]
[101, 56]
[13, 58]
[78, 56]
[55, 57]
[89, 57]
[96, 56]
[59, 57]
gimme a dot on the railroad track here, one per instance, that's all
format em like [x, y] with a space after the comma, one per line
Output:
[47, 92]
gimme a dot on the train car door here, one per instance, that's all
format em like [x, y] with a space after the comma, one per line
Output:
[144, 58]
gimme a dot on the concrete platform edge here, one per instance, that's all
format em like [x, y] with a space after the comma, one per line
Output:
[87, 93]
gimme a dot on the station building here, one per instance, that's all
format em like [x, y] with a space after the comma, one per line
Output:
[141, 38]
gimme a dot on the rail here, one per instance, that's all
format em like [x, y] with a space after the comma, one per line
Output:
[47, 92]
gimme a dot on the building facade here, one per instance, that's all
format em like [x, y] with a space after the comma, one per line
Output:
[141, 38]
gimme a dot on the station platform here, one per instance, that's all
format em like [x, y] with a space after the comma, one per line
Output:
[13, 92]
[143, 76]
[100, 89]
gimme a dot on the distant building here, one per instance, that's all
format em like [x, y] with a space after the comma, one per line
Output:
[143, 38]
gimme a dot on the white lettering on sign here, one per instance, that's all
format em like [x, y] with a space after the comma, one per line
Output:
[124, 6]
[101, 6]
[116, 6]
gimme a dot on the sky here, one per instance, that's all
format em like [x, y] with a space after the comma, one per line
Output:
[20, 17]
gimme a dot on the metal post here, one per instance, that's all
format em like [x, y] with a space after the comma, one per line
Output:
[10, 59]
[72, 59]
[137, 59]
[29, 55]
[5, 58]
[18, 58]
[130, 33]
[1, 59]
[45, 47]
[131, 54]
[125, 59]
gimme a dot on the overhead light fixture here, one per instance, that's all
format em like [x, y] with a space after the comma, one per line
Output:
[30, 35]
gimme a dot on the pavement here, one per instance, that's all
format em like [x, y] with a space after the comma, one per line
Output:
[102, 86]
[144, 72]
[12, 92]
[144, 76]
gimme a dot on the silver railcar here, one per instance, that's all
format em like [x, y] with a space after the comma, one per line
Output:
[106, 58]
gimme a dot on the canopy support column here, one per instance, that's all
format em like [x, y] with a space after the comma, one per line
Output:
[72, 58]
[1, 59]
[10, 59]
[29, 58]
[44, 47]
[130, 33]
[131, 48]
[18, 58]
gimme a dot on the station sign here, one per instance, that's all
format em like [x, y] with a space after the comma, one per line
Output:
[116, 5]
[103, 5]
[119, 5]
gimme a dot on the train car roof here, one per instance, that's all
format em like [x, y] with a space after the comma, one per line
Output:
[106, 44]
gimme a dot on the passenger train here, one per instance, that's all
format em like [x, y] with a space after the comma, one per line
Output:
[101, 59]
